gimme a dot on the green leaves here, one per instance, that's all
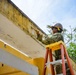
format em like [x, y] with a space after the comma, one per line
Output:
[72, 51]
[71, 48]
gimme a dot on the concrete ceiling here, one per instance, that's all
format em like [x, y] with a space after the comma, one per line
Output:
[17, 38]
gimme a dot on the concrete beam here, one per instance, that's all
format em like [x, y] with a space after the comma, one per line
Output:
[15, 37]
[13, 61]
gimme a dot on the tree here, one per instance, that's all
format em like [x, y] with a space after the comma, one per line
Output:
[72, 51]
[71, 42]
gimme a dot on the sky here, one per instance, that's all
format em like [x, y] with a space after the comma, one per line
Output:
[49, 12]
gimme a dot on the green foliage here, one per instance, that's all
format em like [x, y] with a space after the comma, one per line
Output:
[72, 51]
[71, 48]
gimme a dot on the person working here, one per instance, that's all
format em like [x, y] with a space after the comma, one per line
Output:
[56, 36]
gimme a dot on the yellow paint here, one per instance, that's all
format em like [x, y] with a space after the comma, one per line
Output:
[55, 46]
[6, 69]
[9, 70]
[18, 18]
[14, 52]
[23, 22]
[39, 62]
[19, 73]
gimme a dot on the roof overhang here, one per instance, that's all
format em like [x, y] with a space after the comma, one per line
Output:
[17, 38]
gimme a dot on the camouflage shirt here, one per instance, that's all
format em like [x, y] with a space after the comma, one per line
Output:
[54, 38]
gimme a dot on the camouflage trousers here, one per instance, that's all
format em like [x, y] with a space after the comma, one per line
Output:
[59, 67]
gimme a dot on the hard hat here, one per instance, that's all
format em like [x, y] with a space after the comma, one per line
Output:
[58, 26]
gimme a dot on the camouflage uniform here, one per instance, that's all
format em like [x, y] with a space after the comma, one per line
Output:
[55, 38]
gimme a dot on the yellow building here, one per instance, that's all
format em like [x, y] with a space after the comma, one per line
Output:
[21, 48]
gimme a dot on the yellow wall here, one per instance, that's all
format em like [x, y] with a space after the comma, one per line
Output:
[8, 9]
[23, 22]
[7, 70]
[39, 62]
